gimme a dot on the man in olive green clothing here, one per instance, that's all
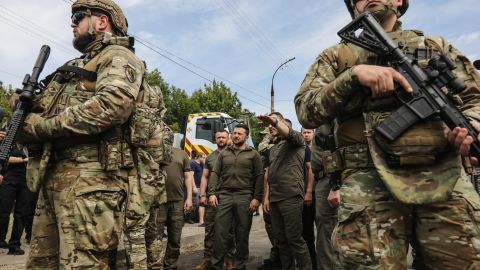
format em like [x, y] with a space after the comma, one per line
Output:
[236, 189]
[221, 139]
[171, 214]
[286, 191]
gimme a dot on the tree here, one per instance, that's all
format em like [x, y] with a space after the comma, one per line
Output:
[4, 104]
[217, 97]
[176, 100]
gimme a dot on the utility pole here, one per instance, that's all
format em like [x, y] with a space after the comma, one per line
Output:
[272, 91]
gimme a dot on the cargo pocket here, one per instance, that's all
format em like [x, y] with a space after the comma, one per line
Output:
[352, 237]
[98, 218]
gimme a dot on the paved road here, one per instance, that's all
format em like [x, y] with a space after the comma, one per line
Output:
[191, 253]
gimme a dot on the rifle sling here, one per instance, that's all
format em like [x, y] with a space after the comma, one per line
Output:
[83, 73]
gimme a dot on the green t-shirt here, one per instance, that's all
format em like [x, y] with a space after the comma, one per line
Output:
[175, 175]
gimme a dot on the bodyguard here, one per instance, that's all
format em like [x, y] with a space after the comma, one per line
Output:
[235, 187]
[377, 217]
[221, 138]
[80, 213]
[286, 192]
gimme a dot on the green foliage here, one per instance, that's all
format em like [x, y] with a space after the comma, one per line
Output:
[217, 97]
[4, 105]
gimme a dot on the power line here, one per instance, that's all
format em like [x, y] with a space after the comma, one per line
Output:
[11, 74]
[43, 31]
[30, 33]
[202, 69]
[258, 34]
[156, 50]
[194, 72]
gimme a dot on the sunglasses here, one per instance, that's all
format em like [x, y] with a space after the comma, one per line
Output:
[78, 16]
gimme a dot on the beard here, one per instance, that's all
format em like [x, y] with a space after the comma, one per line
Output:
[383, 11]
[81, 42]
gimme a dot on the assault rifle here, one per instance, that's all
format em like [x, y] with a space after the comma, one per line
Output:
[427, 100]
[26, 95]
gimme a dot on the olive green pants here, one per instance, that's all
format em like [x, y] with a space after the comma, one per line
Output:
[288, 233]
[208, 243]
[233, 211]
[326, 220]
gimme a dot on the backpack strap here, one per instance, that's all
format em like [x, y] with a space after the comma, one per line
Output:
[83, 73]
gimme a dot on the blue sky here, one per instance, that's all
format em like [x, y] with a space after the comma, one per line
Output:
[240, 41]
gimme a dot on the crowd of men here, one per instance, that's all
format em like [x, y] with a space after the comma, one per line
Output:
[100, 156]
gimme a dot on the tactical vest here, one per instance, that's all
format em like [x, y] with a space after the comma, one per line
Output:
[73, 84]
[419, 167]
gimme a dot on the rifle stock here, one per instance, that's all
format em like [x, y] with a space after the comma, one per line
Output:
[427, 99]
[27, 94]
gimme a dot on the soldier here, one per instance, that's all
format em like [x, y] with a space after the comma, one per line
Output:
[273, 261]
[384, 206]
[221, 138]
[286, 192]
[171, 214]
[326, 206]
[235, 187]
[79, 117]
[308, 214]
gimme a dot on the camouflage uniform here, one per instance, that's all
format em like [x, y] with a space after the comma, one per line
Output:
[79, 216]
[147, 189]
[383, 208]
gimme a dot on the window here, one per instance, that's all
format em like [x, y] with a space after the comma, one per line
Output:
[205, 130]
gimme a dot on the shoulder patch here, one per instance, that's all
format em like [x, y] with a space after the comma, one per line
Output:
[131, 72]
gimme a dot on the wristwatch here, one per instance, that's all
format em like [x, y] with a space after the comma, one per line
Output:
[203, 196]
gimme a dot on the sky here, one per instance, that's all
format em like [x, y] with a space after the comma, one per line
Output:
[239, 42]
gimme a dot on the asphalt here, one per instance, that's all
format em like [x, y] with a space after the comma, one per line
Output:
[191, 248]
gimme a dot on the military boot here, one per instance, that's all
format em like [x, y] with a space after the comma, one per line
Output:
[205, 265]
[229, 263]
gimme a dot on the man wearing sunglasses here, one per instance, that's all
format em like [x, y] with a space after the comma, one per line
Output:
[80, 115]
[414, 190]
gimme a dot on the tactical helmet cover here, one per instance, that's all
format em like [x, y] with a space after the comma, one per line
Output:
[114, 11]
[401, 9]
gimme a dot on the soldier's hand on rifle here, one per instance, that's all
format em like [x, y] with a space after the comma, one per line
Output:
[1, 179]
[2, 135]
[381, 80]
[460, 139]
[212, 200]
[334, 198]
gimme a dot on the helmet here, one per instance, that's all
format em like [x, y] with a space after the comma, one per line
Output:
[115, 13]
[401, 9]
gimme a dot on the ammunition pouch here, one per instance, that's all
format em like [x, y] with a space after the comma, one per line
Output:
[422, 144]
[348, 157]
[160, 145]
[143, 124]
[415, 179]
